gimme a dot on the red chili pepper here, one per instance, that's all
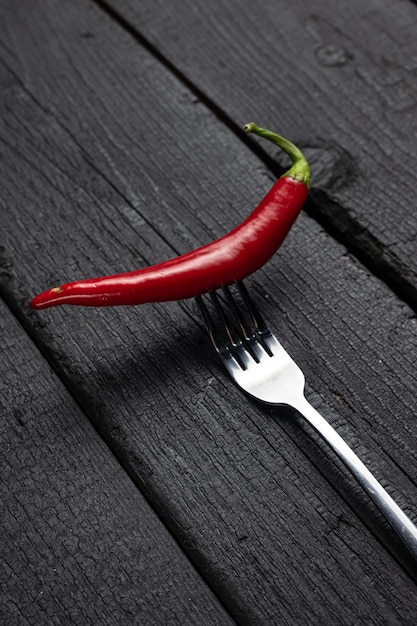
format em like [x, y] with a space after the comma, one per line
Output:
[228, 259]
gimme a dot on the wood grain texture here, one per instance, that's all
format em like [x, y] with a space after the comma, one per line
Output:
[111, 163]
[338, 78]
[79, 543]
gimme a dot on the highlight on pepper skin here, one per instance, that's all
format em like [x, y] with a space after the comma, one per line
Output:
[55, 297]
[46, 299]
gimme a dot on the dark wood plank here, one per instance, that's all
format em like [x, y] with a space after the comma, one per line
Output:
[110, 163]
[339, 79]
[79, 543]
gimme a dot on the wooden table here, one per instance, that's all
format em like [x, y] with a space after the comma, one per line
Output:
[138, 485]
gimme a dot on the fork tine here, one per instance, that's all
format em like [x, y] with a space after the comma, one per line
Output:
[237, 335]
[256, 317]
[223, 327]
[233, 330]
[222, 349]
[262, 332]
[250, 347]
[246, 334]
[249, 328]
[207, 319]
[225, 322]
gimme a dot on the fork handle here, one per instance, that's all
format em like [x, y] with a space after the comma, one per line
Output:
[392, 512]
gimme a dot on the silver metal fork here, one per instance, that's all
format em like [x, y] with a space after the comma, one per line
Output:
[258, 364]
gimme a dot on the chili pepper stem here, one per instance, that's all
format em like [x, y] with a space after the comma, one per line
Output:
[300, 169]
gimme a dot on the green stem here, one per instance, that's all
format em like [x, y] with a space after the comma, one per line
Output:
[300, 169]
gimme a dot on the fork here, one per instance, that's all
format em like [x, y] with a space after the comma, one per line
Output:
[261, 367]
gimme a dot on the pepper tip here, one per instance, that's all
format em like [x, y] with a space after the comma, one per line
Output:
[46, 298]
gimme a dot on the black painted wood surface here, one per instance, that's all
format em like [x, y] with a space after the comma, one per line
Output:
[80, 545]
[111, 161]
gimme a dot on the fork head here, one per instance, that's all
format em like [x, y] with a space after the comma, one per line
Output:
[250, 352]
